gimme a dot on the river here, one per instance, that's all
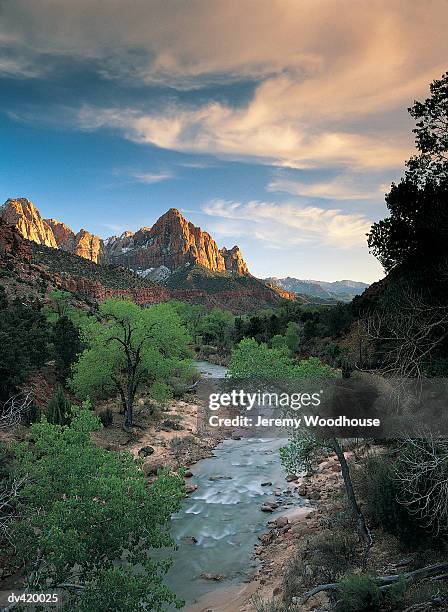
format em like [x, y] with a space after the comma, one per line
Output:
[217, 527]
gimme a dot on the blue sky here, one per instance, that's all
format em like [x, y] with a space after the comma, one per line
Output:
[278, 129]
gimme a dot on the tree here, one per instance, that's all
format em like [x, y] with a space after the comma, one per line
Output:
[217, 328]
[59, 409]
[130, 346]
[61, 302]
[417, 229]
[253, 360]
[431, 134]
[88, 520]
[24, 344]
[293, 336]
[67, 345]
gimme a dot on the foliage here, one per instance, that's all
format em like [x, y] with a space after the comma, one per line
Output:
[323, 557]
[417, 227]
[300, 453]
[217, 328]
[24, 345]
[252, 360]
[88, 516]
[431, 134]
[67, 345]
[379, 490]
[293, 336]
[129, 346]
[59, 409]
[359, 593]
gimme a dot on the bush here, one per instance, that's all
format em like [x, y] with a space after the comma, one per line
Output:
[359, 593]
[32, 415]
[59, 409]
[377, 487]
[106, 417]
[326, 557]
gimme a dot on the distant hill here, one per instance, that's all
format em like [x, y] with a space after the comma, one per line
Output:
[343, 290]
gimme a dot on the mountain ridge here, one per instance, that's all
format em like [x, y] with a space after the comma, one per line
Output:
[171, 242]
[342, 290]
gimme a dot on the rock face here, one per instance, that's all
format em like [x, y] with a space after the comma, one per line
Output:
[89, 246]
[12, 244]
[84, 244]
[153, 252]
[233, 260]
[24, 215]
[64, 236]
[173, 242]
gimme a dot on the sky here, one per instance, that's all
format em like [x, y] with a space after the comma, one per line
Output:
[277, 125]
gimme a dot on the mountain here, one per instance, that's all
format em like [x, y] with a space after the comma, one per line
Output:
[172, 242]
[52, 233]
[344, 290]
[24, 215]
[30, 270]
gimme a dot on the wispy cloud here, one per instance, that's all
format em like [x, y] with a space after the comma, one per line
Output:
[283, 226]
[339, 188]
[153, 177]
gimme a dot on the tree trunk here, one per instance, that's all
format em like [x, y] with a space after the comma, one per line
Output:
[361, 526]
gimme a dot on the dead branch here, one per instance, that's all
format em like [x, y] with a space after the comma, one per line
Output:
[383, 582]
[14, 408]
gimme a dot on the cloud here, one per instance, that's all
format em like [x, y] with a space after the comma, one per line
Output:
[339, 188]
[328, 75]
[284, 226]
[152, 177]
[240, 134]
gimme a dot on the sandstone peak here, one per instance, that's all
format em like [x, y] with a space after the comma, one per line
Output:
[22, 213]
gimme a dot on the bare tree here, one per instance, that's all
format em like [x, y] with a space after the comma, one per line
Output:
[14, 408]
[407, 333]
[422, 472]
[8, 513]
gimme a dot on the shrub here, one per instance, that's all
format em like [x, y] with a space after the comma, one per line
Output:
[359, 593]
[59, 409]
[67, 513]
[32, 415]
[379, 490]
[106, 417]
[300, 453]
[326, 557]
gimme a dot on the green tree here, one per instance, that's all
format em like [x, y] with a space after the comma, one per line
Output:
[130, 346]
[278, 342]
[24, 344]
[88, 517]
[293, 336]
[253, 360]
[217, 328]
[67, 345]
[59, 410]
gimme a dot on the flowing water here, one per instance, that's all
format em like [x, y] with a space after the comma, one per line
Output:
[217, 528]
